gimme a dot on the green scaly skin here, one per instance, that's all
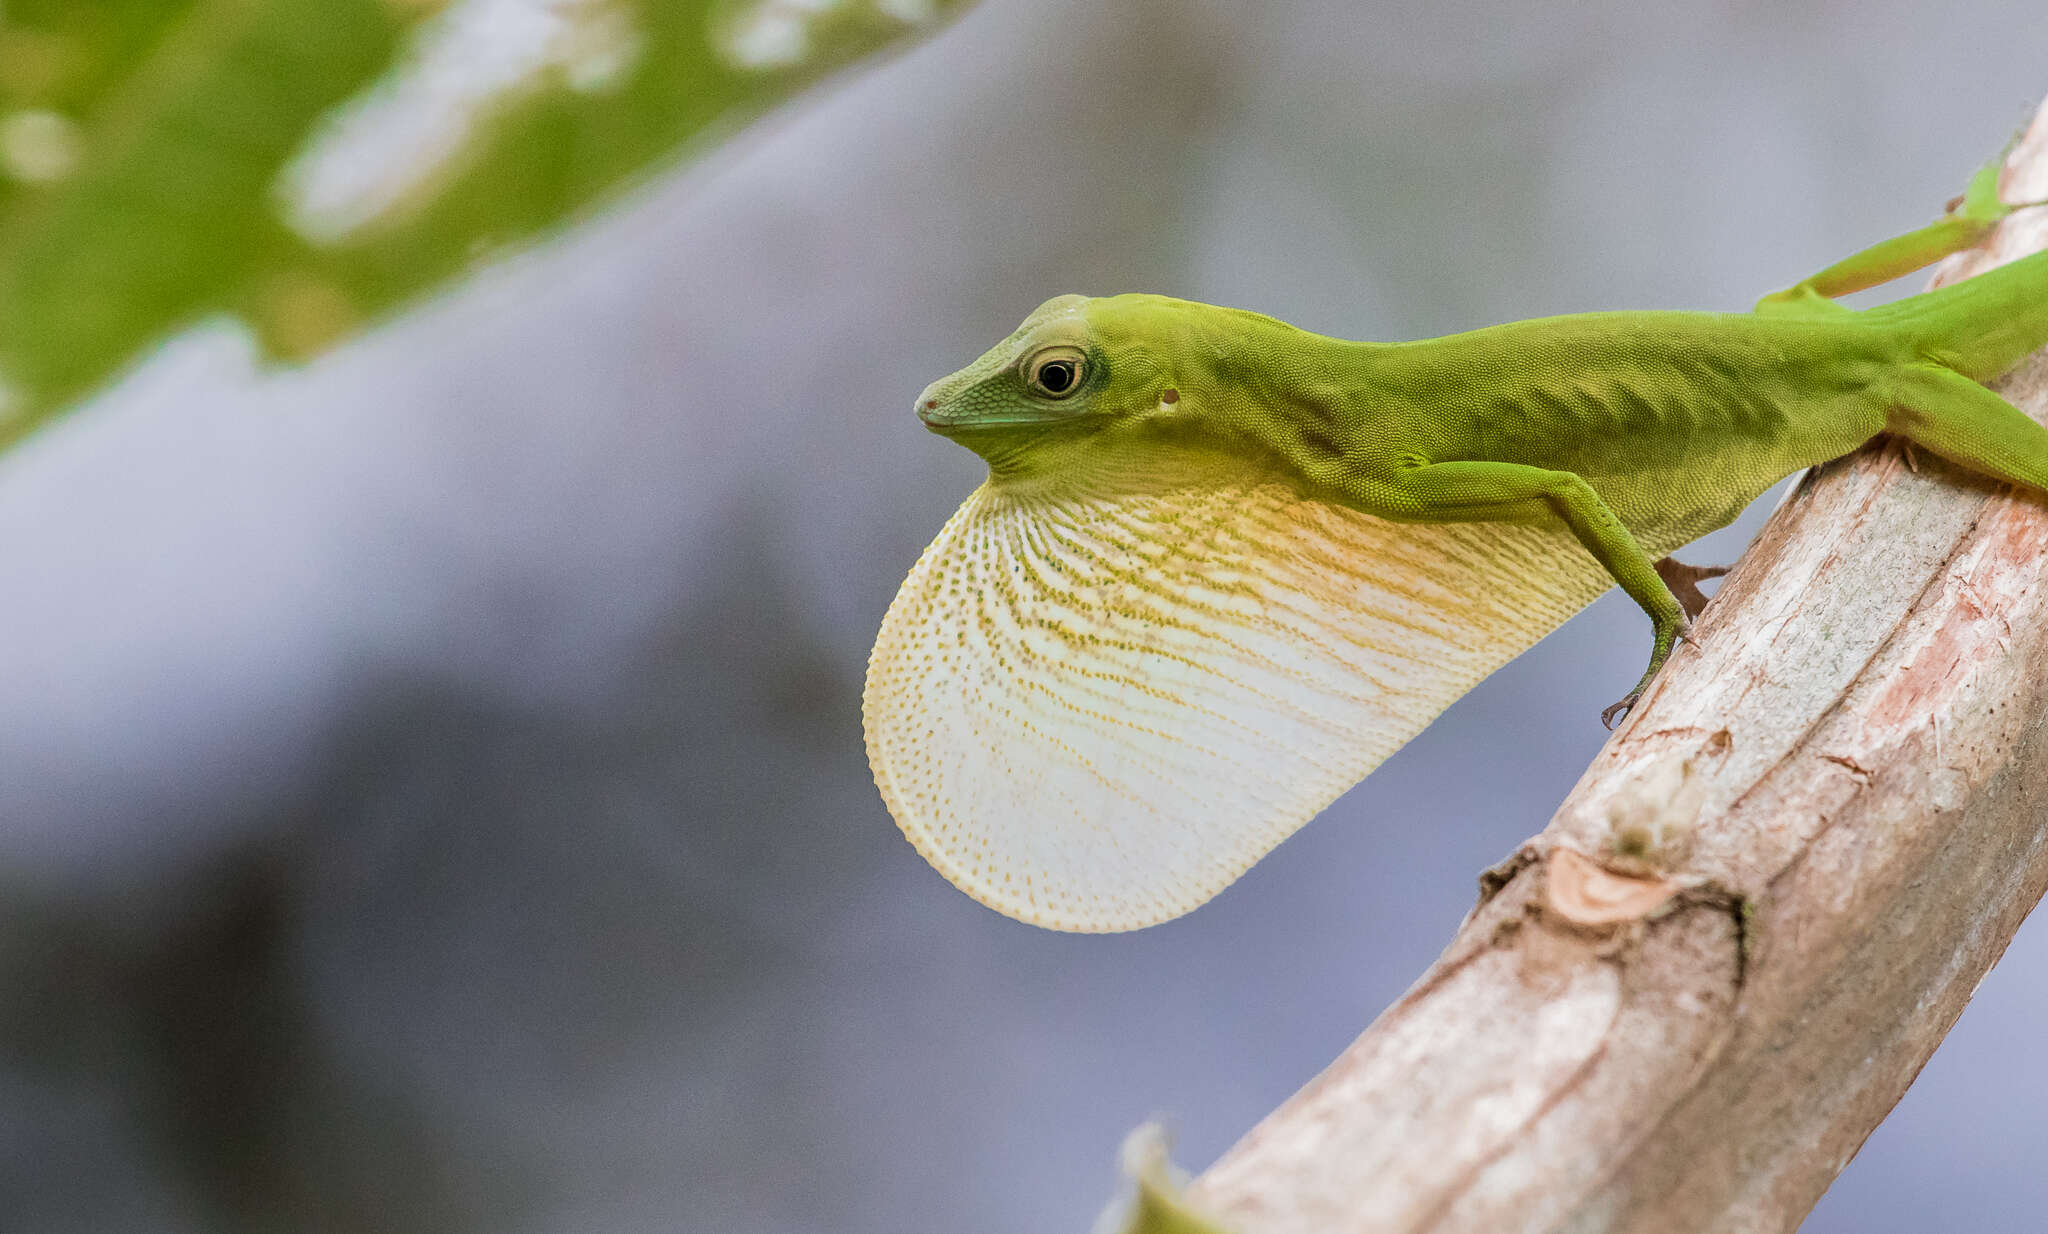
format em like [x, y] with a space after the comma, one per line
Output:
[1639, 431]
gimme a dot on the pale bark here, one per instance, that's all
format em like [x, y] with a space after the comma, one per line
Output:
[1691, 998]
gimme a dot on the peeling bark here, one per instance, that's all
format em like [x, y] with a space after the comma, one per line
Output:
[1687, 1002]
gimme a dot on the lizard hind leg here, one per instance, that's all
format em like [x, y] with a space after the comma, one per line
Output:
[1968, 424]
[1968, 220]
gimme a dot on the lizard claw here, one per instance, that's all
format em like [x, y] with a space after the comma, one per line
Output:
[1615, 711]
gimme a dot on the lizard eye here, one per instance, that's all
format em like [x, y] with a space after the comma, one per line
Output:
[1055, 372]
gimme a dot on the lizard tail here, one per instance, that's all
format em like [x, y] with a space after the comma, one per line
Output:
[1982, 326]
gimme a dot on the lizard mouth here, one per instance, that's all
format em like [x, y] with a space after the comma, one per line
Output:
[942, 418]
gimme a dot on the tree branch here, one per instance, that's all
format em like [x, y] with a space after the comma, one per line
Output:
[1687, 1002]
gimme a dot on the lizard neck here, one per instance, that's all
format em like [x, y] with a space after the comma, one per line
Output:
[1264, 387]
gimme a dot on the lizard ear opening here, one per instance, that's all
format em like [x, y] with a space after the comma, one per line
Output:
[1094, 711]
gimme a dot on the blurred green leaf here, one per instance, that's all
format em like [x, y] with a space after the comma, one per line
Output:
[162, 161]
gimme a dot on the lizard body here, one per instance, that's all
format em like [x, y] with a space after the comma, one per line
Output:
[1222, 566]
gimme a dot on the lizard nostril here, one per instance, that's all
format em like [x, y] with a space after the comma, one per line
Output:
[931, 404]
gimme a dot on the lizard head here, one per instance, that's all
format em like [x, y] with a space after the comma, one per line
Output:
[1080, 374]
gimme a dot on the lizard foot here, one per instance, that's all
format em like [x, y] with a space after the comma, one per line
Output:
[1613, 713]
[1684, 582]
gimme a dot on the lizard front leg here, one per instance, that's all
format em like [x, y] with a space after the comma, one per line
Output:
[1477, 491]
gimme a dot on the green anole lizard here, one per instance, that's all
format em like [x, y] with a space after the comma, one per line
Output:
[1223, 567]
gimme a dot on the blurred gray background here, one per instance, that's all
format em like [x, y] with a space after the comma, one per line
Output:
[434, 794]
